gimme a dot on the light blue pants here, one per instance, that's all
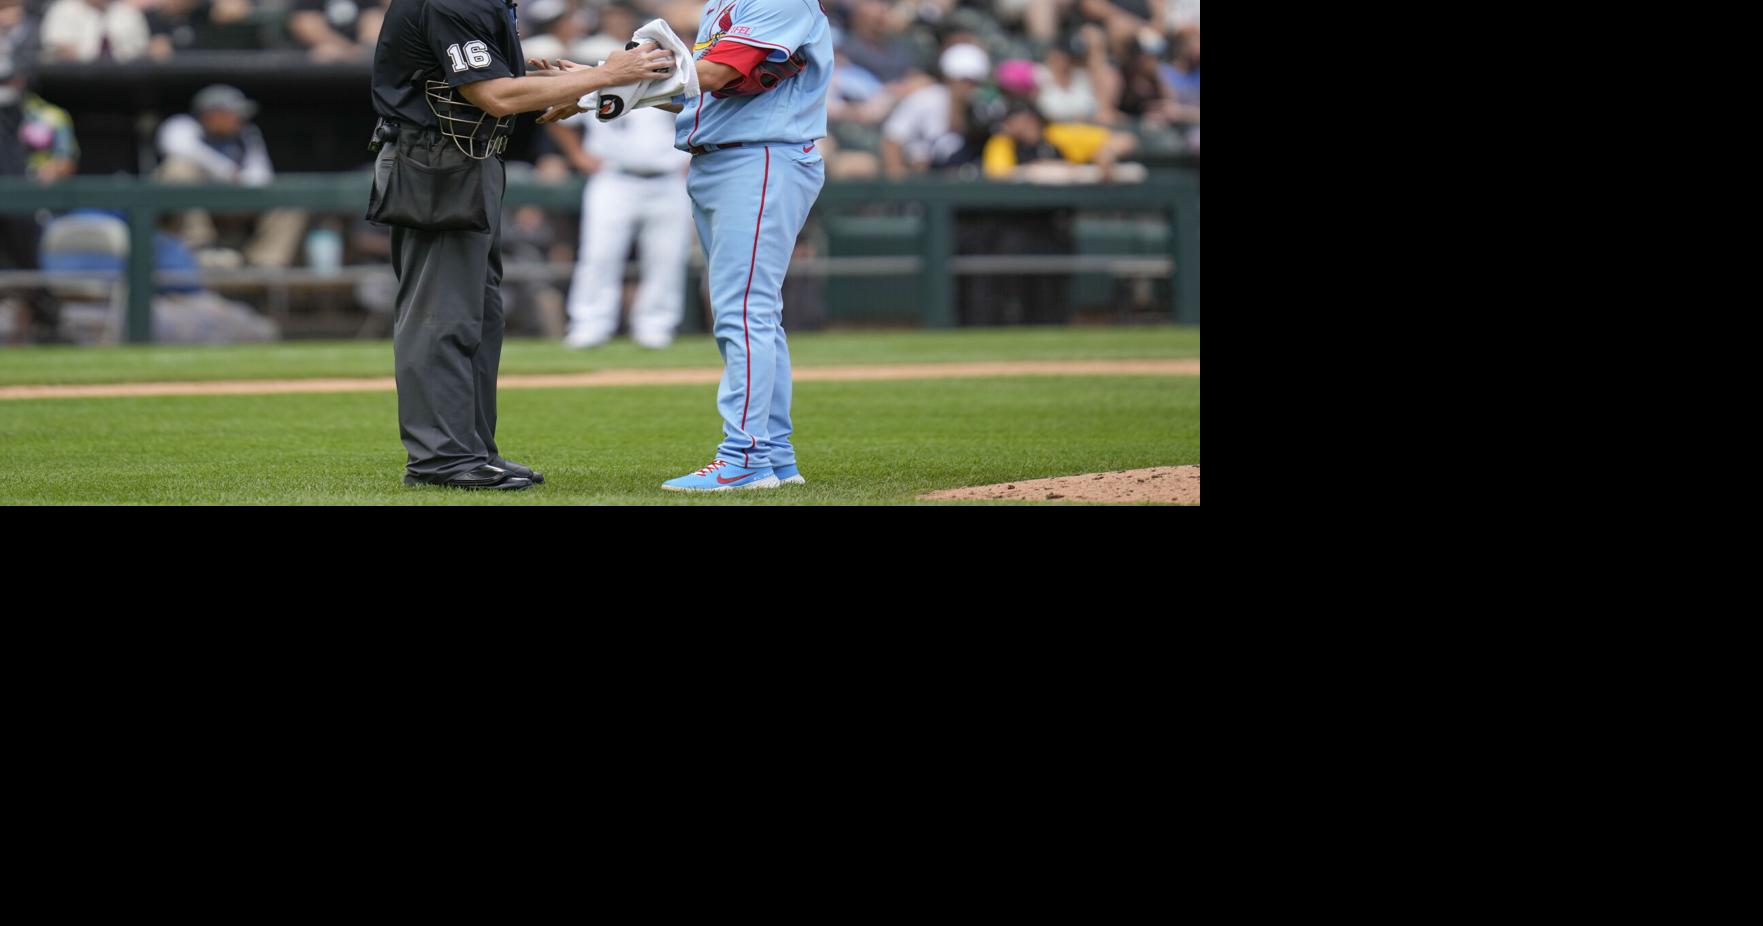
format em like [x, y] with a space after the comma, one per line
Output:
[750, 203]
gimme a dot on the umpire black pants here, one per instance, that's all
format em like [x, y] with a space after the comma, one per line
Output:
[447, 336]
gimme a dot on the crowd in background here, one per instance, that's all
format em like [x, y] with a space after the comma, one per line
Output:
[991, 86]
[1054, 91]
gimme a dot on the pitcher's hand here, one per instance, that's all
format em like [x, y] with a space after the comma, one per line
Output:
[559, 113]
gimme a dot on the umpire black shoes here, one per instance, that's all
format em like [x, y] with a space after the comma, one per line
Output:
[484, 477]
[524, 472]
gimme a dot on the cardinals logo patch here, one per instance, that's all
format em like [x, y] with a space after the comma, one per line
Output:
[723, 26]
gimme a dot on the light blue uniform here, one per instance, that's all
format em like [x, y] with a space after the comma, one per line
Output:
[750, 203]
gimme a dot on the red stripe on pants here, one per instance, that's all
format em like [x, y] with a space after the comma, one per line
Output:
[746, 337]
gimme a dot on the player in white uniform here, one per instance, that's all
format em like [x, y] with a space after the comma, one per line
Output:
[636, 188]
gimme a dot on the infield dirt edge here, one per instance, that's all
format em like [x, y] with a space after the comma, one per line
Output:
[622, 377]
[1173, 485]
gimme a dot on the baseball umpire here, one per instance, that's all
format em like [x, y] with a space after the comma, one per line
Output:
[448, 83]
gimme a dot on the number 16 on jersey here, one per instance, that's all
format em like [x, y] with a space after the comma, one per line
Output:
[476, 55]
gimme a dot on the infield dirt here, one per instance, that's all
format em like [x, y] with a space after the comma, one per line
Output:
[634, 377]
[1169, 484]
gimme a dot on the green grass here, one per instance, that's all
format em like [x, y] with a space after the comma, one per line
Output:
[306, 360]
[860, 443]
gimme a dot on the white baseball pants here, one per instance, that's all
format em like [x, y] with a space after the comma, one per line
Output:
[616, 207]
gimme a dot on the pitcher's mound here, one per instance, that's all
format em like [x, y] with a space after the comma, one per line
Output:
[1172, 484]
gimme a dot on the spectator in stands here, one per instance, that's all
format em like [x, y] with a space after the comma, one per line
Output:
[44, 130]
[874, 42]
[1021, 140]
[550, 29]
[1038, 19]
[36, 141]
[931, 12]
[13, 158]
[932, 128]
[1016, 79]
[186, 313]
[1126, 22]
[217, 139]
[1027, 147]
[617, 22]
[856, 105]
[219, 144]
[855, 95]
[18, 31]
[52, 153]
[946, 35]
[1068, 93]
[1183, 74]
[95, 30]
[1145, 93]
[1181, 15]
[337, 30]
[185, 25]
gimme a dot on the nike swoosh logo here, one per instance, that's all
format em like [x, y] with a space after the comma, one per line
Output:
[807, 149]
[722, 481]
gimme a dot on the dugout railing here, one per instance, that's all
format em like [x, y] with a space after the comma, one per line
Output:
[932, 263]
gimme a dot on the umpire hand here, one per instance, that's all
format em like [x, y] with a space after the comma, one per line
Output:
[626, 66]
[644, 62]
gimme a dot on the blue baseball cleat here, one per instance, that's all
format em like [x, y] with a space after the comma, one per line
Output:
[789, 475]
[721, 476]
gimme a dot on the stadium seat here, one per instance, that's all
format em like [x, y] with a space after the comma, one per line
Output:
[87, 242]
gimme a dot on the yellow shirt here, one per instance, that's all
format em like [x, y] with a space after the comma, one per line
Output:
[1077, 143]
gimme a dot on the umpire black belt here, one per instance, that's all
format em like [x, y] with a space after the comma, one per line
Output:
[644, 174]
[388, 133]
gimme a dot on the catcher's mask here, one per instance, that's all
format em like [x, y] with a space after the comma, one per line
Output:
[464, 123]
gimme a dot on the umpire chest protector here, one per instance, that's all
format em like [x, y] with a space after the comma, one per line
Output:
[427, 50]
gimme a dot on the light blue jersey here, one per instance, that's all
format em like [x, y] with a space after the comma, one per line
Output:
[797, 34]
[752, 189]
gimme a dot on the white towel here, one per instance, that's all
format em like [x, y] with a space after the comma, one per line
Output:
[683, 79]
